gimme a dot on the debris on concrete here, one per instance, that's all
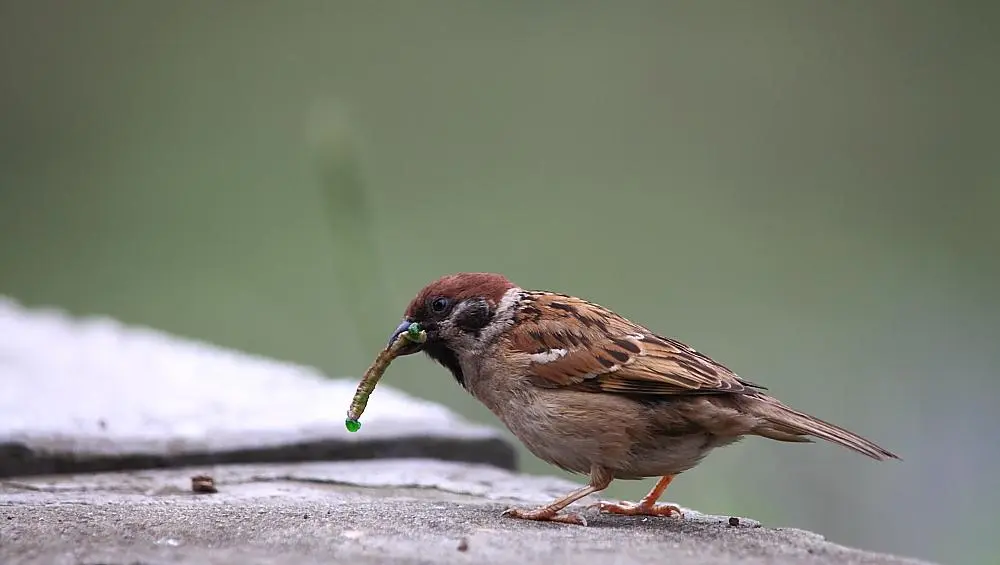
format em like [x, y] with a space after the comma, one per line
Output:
[203, 483]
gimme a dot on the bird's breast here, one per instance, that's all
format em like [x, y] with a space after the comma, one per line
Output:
[562, 427]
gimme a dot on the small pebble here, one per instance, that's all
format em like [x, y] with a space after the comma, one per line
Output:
[734, 521]
[203, 483]
[463, 544]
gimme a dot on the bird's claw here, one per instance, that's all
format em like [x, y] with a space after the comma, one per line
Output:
[545, 515]
[639, 509]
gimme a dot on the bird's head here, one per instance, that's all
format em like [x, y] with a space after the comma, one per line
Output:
[461, 313]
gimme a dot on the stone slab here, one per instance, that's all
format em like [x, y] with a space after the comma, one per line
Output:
[407, 511]
[92, 394]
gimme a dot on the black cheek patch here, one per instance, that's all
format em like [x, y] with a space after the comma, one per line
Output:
[474, 317]
[446, 357]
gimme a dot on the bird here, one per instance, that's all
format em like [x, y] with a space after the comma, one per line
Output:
[593, 393]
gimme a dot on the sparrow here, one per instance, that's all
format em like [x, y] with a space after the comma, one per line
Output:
[591, 392]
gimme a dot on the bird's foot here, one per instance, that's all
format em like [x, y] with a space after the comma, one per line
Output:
[640, 509]
[545, 515]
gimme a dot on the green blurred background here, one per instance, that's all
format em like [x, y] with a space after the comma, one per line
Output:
[807, 191]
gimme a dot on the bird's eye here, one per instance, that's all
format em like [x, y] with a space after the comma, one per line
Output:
[440, 304]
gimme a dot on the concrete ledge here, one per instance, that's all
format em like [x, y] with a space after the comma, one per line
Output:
[366, 512]
[88, 395]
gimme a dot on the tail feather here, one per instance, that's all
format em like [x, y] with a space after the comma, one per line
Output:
[783, 423]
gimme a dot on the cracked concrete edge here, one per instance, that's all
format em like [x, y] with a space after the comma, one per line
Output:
[36, 458]
[485, 481]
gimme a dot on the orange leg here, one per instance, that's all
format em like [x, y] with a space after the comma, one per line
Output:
[647, 506]
[599, 480]
[550, 512]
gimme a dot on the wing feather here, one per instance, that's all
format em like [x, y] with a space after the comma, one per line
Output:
[600, 351]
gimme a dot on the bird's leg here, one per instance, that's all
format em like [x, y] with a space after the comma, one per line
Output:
[599, 480]
[647, 506]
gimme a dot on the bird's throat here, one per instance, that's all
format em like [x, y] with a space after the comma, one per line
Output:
[445, 356]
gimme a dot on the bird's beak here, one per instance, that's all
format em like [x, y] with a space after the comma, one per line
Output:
[410, 347]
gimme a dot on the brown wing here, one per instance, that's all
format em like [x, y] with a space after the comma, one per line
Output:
[576, 344]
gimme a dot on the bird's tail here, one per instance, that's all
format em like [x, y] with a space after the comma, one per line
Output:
[783, 423]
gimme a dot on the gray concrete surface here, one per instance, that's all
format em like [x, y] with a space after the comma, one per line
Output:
[92, 394]
[366, 512]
